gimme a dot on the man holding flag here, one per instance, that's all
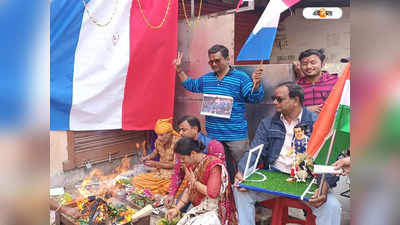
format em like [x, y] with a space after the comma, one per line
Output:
[225, 80]
[276, 133]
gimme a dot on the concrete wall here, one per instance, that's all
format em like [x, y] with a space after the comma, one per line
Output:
[194, 44]
[58, 151]
[296, 34]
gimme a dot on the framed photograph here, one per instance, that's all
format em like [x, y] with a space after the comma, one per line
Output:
[217, 105]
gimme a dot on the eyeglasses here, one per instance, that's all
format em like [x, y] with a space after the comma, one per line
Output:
[278, 98]
[217, 61]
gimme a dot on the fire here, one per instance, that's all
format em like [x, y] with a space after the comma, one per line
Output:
[82, 203]
[95, 177]
[127, 215]
[96, 189]
[123, 168]
[102, 213]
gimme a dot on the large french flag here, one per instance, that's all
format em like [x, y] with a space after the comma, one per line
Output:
[261, 40]
[111, 64]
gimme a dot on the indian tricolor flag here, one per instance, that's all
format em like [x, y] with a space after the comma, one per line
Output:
[261, 40]
[335, 116]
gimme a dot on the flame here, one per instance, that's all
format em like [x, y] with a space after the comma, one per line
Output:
[127, 215]
[97, 184]
[81, 203]
[124, 167]
[102, 214]
[95, 176]
[144, 148]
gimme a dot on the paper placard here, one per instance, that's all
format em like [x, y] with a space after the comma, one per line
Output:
[217, 105]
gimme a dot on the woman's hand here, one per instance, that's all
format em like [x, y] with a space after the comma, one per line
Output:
[171, 213]
[169, 201]
[190, 174]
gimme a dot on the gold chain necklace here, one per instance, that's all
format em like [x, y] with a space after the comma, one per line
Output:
[94, 19]
[148, 22]
[187, 19]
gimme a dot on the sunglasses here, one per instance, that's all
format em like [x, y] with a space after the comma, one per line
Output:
[277, 98]
[217, 61]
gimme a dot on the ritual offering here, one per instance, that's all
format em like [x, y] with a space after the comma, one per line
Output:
[107, 200]
[141, 198]
[164, 221]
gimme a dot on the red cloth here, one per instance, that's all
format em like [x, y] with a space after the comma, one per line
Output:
[150, 82]
[226, 203]
[214, 182]
[317, 93]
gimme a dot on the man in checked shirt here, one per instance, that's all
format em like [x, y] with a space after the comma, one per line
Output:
[317, 83]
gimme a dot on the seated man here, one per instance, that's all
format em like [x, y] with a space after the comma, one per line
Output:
[276, 133]
[189, 126]
[158, 181]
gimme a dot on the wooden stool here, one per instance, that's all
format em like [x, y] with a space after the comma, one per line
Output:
[280, 211]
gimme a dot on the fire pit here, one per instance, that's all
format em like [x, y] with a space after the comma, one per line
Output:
[98, 211]
[110, 200]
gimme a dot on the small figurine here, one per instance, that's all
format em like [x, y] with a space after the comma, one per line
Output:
[299, 145]
[302, 165]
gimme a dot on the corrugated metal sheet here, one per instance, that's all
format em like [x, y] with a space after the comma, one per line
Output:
[208, 7]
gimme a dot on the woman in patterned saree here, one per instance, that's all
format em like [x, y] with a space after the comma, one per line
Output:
[208, 188]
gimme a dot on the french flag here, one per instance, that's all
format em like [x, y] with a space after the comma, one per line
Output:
[111, 63]
[261, 40]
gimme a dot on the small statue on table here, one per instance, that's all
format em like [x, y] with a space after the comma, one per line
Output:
[299, 146]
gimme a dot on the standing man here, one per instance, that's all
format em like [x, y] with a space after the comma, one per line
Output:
[227, 81]
[316, 82]
[276, 133]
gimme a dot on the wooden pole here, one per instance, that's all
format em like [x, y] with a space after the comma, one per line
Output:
[327, 161]
[252, 89]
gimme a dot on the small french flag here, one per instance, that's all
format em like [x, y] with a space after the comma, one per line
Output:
[260, 42]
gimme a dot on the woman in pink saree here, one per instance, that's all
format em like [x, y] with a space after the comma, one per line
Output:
[208, 188]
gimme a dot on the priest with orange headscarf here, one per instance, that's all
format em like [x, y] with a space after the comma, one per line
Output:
[159, 180]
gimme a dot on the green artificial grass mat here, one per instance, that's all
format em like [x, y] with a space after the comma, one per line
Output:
[276, 181]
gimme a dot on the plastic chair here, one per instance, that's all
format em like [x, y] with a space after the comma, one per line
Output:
[280, 211]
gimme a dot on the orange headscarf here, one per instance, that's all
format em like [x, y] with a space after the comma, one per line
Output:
[164, 126]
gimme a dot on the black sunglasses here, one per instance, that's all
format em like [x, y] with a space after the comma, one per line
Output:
[278, 98]
[217, 61]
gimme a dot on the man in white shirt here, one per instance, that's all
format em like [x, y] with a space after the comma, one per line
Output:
[276, 133]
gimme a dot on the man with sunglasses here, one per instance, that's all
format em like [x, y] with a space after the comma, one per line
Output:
[227, 81]
[317, 83]
[276, 133]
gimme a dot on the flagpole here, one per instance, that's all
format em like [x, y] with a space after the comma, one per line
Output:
[327, 161]
[252, 89]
